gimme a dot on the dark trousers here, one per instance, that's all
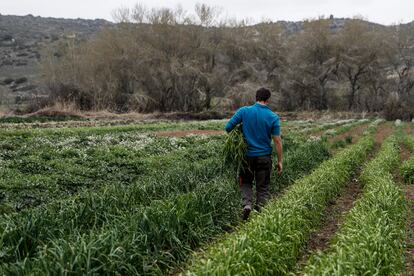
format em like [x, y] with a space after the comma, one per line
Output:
[258, 169]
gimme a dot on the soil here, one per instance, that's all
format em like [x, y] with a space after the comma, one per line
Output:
[355, 132]
[384, 131]
[409, 129]
[408, 190]
[188, 132]
[405, 153]
[332, 220]
[335, 213]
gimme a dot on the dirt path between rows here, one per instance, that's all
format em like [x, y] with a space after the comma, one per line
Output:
[408, 190]
[332, 219]
[409, 129]
[335, 213]
[356, 133]
[182, 133]
[384, 131]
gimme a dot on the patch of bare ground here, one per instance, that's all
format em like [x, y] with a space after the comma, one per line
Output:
[355, 132]
[384, 131]
[334, 214]
[188, 132]
[405, 153]
[72, 110]
[409, 129]
[408, 190]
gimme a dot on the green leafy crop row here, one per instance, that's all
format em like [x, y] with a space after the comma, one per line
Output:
[407, 171]
[35, 171]
[371, 240]
[344, 128]
[407, 168]
[39, 119]
[98, 187]
[270, 242]
[131, 127]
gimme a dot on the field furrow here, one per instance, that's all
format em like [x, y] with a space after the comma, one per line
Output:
[371, 239]
[334, 214]
[405, 176]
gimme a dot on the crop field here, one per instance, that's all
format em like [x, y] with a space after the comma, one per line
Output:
[158, 198]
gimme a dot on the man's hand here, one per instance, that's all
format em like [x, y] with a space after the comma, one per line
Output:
[279, 168]
[279, 151]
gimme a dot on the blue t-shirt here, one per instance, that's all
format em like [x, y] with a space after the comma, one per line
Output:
[259, 125]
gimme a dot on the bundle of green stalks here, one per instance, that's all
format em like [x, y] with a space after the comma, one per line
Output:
[235, 148]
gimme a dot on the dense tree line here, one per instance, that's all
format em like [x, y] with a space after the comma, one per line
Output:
[168, 60]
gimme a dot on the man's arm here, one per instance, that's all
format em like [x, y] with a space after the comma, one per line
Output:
[276, 135]
[279, 150]
[235, 120]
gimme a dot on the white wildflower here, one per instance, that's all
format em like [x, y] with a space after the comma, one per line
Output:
[398, 122]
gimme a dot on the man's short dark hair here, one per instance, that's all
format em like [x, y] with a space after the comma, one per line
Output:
[262, 94]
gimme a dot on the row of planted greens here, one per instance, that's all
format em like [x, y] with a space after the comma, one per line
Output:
[407, 168]
[370, 242]
[270, 242]
[148, 226]
[36, 169]
[158, 200]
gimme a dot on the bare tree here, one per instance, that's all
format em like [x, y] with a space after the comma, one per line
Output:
[171, 60]
[207, 15]
[315, 61]
[400, 57]
[121, 15]
[359, 51]
[139, 13]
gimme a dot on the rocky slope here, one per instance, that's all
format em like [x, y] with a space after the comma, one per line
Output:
[22, 41]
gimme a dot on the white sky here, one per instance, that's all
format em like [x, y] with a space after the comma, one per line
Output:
[380, 11]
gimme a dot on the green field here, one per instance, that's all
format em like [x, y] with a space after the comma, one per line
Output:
[157, 198]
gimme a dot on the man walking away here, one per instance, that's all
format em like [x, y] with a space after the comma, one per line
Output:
[259, 125]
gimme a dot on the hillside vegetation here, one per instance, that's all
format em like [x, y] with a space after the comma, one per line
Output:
[170, 60]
